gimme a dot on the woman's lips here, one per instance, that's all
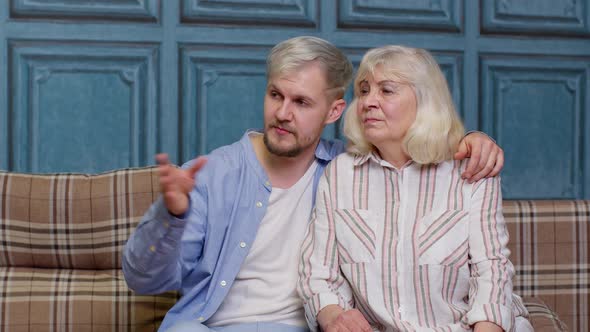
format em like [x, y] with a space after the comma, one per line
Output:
[371, 120]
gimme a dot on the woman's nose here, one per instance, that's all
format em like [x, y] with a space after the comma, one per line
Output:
[370, 100]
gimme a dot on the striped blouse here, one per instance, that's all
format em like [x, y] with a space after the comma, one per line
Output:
[414, 249]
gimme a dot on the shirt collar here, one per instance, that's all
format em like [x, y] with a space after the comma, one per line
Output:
[374, 157]
[328, 150]
[360, 159]
[251, 155]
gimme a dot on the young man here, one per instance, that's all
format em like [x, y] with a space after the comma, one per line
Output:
[228, 234]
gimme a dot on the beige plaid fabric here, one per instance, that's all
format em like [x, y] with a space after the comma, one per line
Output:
[36, 299]
[61, 238]
[549, 244]
[71, 221]
[542, 317]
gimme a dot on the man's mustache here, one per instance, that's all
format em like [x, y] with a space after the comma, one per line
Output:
[283, 126]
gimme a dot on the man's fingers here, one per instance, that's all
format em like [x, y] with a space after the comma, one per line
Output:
[162, 159]
[164, 165]
[487, 153]
[472, 164]
[499, 164]
[462, 151]
[484, 172]
[197, 165]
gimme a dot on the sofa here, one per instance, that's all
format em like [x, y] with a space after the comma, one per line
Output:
[62, 235]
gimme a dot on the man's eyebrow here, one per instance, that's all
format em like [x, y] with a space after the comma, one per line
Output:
[303, 97]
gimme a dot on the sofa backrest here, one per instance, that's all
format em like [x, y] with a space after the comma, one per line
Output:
[77, 221]
[549, 241]
[72, 221]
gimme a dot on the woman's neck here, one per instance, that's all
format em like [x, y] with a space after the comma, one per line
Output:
[393, 154]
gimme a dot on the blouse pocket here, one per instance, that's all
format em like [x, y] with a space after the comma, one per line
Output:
[443, 238]
[355, 235]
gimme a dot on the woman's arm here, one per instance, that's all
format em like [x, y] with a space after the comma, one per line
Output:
[490, 294]
[320, 282]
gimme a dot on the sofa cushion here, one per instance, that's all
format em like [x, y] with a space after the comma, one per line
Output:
[549, 241]
[34, 299]
[71, 221]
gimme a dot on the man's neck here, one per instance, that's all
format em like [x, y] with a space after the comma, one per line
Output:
[283, 172]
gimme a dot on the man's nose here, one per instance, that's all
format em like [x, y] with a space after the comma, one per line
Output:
[284, 112]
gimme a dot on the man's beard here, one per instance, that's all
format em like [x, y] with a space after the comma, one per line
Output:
[293, 152]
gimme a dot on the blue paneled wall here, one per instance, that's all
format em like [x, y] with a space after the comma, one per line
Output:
[93, 85]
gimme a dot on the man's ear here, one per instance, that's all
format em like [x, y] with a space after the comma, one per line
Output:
[336, 110]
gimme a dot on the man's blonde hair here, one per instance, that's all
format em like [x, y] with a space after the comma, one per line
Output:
[435, 134]
[293, 54]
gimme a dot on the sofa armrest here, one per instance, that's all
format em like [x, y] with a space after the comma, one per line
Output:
[542, 317]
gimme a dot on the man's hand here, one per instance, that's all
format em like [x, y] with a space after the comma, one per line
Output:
[333, 318]
[487, 158]
[176, 183]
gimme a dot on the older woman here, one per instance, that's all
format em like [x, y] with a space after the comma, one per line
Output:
[398, 240]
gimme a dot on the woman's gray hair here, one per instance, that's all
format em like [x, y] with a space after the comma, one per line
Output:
[435, 134]
[292, 54]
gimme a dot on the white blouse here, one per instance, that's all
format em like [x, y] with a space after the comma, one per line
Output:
[414, 249]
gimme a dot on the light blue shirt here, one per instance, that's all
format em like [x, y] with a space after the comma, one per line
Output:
[201, 254]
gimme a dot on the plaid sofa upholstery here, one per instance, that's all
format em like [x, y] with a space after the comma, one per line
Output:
[549, 244]
[61, 237]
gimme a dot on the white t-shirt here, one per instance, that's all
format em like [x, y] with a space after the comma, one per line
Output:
[265, 288]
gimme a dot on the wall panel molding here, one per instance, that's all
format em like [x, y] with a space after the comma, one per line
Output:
[542, 161]
[211, 107]
[300, 13]
[547, 17]
[52, 95]
[121, 10]
[452, 67]
[437, 15]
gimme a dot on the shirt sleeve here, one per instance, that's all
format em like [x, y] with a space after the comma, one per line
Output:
[153, 259]
[490, 294]
[320, 282]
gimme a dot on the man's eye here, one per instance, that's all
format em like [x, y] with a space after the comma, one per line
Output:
[301, 102]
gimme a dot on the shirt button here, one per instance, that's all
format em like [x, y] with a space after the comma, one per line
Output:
[152, 248]
[201, 319]
[166, 224]
[223, 283]
[259, 204]
[400, 310]
[267, 183]
[242, 244]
